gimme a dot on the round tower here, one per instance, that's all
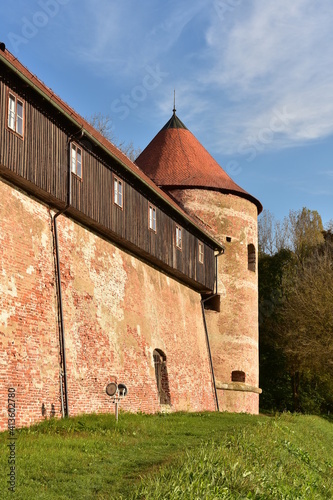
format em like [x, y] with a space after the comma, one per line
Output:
[180, 165]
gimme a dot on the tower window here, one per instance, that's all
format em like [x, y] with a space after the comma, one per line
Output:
[251, 257]
[161, 374]
[237, 376]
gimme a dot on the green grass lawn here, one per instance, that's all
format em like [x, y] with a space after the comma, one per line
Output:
[189, 456]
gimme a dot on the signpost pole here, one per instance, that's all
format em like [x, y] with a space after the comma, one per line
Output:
[116, 403]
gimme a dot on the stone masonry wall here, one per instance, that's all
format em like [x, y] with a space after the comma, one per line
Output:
[233, 332]
[117, 310]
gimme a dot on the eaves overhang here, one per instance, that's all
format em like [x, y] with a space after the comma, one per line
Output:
[101, 142]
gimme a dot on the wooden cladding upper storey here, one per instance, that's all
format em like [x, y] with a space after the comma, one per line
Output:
[41, 157]
[42, 160]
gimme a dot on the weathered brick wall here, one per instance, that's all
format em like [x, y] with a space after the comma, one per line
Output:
[117, 310]
[234, 331]
[29, 360]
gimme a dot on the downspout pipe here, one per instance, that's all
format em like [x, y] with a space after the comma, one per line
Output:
[63, 385]
[206, 330]
[221, 252]
[209, 351]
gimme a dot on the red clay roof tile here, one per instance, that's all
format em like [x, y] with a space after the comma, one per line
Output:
[176, 159]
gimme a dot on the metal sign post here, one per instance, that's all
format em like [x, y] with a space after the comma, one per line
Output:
[116, 403]
[116, 392]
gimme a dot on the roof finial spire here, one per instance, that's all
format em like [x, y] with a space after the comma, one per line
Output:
[174, 101]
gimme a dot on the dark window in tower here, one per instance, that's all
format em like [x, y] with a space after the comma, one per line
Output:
[251, 257]
[237, 376]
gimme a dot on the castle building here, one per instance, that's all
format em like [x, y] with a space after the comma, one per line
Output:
[141, 273]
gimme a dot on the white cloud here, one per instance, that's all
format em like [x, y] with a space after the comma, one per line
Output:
[327, 173]
[277, 56]
[123, 37]
[235, 64]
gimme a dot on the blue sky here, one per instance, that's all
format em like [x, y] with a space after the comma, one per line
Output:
[253, 80]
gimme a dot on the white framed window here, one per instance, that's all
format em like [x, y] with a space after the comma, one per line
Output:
[76, 160]
[152, 217]
[179, 237]
[15, 114]
[201, 252]
[118, 192]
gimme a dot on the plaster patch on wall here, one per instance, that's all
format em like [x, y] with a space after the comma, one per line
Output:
[5, 315]
[110, 286]
[67, 231]
[9, 287]
[29, 204]
[240, 339]
[245, 284]
[221, 289]
[88, 248]
[30, 270]
[45, 240]
[133, 262]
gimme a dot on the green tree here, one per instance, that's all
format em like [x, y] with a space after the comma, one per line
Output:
[305, 231]
[275, 379]
[296, 317]
[305, 328]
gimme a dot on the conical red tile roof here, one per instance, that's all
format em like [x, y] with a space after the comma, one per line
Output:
[175, 159]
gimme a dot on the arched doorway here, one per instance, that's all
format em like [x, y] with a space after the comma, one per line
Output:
[161, 374]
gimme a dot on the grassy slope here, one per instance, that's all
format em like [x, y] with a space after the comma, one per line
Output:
[92, 457]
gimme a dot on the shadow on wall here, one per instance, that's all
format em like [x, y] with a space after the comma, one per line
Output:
[52, 411]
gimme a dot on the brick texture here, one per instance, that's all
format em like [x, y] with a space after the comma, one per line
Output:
[234, 331]
[117, 310]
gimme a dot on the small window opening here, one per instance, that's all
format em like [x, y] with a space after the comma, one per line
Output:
[228, 238]
[237, 376]
[15, 114]
[118, 192]
[161, 374]
[251, 257]
[179, 237]
[152, 218]
[201, 252]
[76, 160]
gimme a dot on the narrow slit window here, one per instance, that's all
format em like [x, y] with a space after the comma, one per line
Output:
[251, 258]
[152, 218]
[76, 160]
[118, 192]
[15, 114]
[179, 237]
[201, 252]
